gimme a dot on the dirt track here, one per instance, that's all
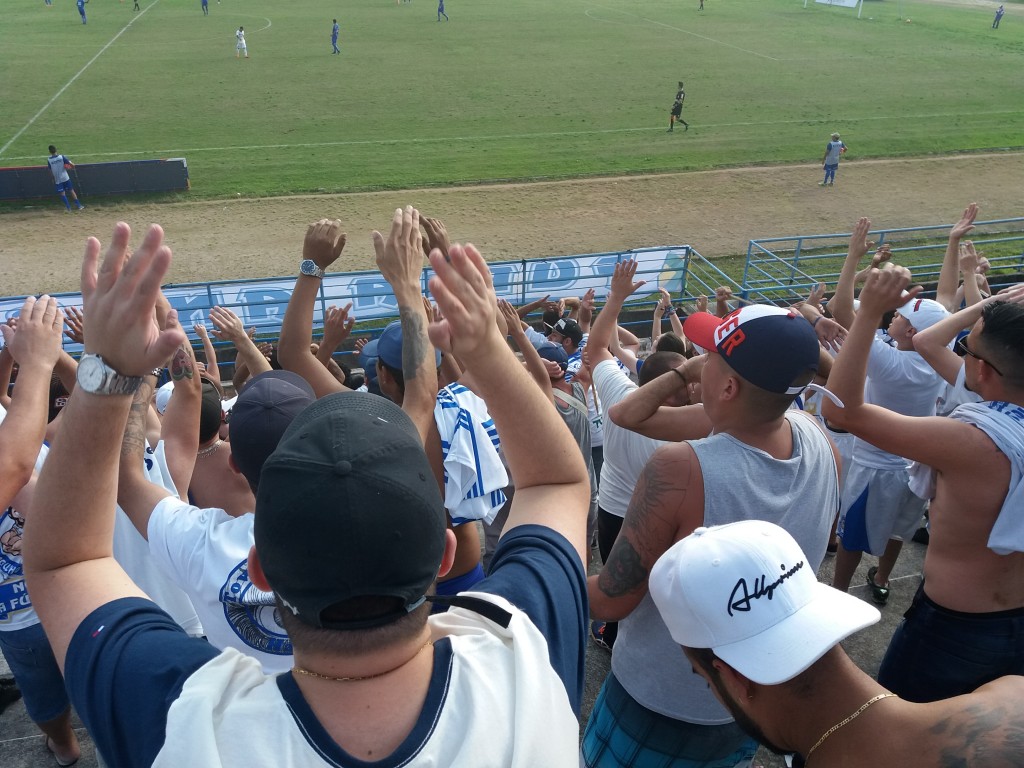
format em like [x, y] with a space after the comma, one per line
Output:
[715, 211]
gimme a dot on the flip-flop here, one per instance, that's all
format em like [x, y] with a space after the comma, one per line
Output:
[62, 763]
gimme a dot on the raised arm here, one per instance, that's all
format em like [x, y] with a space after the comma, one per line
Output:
[841, 303]
[338, 325]
[35, 346]
[71, 571]
[180, 426]
[227, 326]
[933, 343]
[945, 291]
[535, 365]
[552, 485]
[400, 261]
[969, 271]
[935, 441]
[606, 326]
[323, 244]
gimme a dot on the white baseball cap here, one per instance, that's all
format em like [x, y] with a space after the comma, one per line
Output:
[746, 591]
[163, 396]
[922, 314]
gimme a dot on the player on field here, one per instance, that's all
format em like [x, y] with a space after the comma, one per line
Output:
[334, 37]
[677, 110]
[240, 45]
[440, 10]
[58, 168]
[81, 10]
[830, 162]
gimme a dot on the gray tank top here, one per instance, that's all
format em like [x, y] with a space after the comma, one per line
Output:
[800, 493]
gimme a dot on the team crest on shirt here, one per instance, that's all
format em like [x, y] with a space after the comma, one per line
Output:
[252, 614]
[13, 597]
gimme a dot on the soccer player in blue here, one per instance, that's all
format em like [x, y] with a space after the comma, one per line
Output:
[334, 37]
[206, 8]
[58, 168]
[81, 10]
[440, 10]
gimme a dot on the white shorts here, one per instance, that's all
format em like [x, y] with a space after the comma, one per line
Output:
[878, 505]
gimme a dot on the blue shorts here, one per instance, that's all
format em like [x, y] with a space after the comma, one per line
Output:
[621, 733]
[937, 653]
[64, 186]
[35, 669]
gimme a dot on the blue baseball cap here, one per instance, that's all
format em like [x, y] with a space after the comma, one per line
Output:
[389, 346]
[368, 361]
[555, 354]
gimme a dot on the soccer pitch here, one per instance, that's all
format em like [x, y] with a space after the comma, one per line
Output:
[506, 90]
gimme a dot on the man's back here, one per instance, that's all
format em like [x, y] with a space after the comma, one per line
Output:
[646, 660]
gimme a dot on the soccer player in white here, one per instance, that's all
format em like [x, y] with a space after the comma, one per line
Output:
[240, 46]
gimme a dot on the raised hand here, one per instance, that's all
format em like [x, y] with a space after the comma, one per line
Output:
[665, 302]
[622, 285]
[400, 257]
[35, 338]
[859, 243]
[337, 325]
[587, 302]
[883, 290]
[969, 259]
[515, 325]
[227, 326]
[966, 223]
[119, 300]
[74, 318]
[324, 242]
[464, 291]
[816, 295]
[702, 303]
[360, 343]
[723, 293]
[436, 235]
[831, 334]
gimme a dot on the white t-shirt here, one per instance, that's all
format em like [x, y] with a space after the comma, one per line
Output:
[625, 452]
[205, 551]
[904, 383]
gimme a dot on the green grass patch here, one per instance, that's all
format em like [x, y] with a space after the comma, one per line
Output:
[507, 90]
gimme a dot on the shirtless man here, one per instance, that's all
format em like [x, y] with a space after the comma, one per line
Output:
[973, 591]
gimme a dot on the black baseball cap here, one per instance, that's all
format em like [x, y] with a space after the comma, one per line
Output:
[348, 507]
[569, 328]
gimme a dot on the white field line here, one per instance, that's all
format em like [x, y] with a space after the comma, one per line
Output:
[678, 29]
[77, 75]
[179, 151]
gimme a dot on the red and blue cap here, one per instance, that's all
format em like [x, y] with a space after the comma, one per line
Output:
[773, 348]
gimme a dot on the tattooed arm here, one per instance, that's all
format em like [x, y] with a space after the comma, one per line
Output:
[400, 261]
[180, 428]
[667, 505]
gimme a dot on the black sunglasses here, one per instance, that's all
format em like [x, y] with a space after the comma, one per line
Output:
[963, 349]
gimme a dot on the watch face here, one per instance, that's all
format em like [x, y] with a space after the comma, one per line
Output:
[309, 267]
[90, 374]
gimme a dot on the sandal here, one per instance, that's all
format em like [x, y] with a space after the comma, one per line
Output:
[880, 595]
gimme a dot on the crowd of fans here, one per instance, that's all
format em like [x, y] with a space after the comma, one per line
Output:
[330, 567]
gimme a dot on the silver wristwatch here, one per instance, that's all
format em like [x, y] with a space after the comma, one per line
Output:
[309, 267]
[97, 378]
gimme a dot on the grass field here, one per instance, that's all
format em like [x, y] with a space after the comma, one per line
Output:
[508, 89]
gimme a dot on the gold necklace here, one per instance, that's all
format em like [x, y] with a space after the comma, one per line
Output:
[310, 673]
[202, 453]
[841, 723]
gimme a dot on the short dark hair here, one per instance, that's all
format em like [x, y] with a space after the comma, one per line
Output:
[657, 364]
[53, 150]
[396, 374]
[670, 342]
[210, 413]
[1002, 339]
